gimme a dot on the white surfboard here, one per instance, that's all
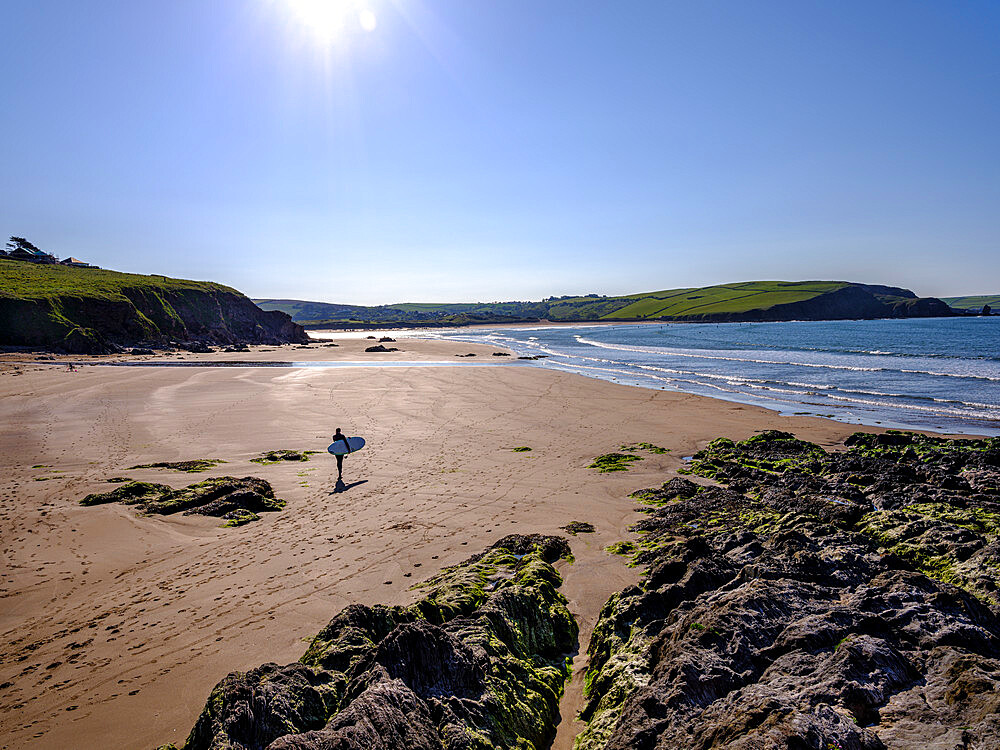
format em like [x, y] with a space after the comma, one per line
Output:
[338, 448]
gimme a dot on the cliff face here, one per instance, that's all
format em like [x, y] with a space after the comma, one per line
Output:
[87, 311]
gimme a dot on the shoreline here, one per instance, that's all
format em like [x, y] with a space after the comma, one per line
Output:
[117, 626]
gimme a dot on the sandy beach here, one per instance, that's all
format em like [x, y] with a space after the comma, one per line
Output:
[115, 627]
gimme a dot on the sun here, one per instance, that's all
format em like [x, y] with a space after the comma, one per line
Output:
[329, 19]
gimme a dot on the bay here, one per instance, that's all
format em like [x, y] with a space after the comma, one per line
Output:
[940, 374]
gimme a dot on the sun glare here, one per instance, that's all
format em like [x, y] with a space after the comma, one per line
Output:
[329, 19]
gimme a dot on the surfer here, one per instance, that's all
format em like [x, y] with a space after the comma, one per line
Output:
[338, 435]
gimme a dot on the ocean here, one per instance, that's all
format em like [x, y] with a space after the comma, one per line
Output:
[940, 374]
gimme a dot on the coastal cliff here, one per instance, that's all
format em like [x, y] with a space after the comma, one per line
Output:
[92, 311]
[741, 301]
[849, 302]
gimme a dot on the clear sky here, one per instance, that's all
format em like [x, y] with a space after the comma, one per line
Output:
[457, 150]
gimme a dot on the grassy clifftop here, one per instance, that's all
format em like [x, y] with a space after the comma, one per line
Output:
[36, 281]
[973, 303]
[94, 310]
[750, 300]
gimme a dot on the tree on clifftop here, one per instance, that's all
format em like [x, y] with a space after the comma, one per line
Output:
[19, 243]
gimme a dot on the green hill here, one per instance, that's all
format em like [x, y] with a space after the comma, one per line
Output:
[973, 303]
[95, 310]
[750, 300]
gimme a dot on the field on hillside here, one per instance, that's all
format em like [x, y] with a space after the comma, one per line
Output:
[22, 280]
[723, 298]
[973, 302]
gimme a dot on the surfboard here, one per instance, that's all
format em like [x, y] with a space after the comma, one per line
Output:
[338, 448]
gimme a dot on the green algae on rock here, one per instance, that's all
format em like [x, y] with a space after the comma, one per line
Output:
[671, 491]
[234, 499]
[649, 447]
[129, 493]
[842, 599]
[239, 517]
[611, 462]
[931, 500]
[274, 457]
[521, 449]
[478, 663]
[191, 467]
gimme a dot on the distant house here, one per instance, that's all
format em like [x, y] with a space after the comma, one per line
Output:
[76, 263]
[32, 256]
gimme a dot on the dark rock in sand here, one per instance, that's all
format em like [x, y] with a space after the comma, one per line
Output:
[500, 354]
[578, 527]
[479, 662]
[273, 457]
[141, 351]
[380, 348]
[219, 496]
[386, 339]
[193, 466]
[129, 493]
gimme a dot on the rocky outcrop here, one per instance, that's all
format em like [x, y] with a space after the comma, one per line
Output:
[238, 501]
[479, 662]
[819, 600]
[96, 311]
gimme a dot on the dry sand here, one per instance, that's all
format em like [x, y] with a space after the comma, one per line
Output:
[116, 627]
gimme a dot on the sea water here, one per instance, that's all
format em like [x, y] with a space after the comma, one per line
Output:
[938, 374]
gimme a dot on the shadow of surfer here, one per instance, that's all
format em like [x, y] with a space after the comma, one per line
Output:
[342, 487]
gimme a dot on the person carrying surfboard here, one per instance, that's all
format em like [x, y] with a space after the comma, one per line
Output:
[338, 435]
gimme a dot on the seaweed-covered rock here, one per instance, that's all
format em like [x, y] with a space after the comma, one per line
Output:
[933, 501]
[478, 663]
[191, 467]
[252, 709]
[238, 500]
[672, 490]
[386, 716]
[611, 462]
[218, 496]
[273, 457]
[129, 493]
[786, 611]
[578, 527]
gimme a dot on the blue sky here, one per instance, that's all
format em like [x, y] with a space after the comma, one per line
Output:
[505, 149]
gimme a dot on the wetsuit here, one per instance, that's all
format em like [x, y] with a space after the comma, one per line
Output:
[340, 457]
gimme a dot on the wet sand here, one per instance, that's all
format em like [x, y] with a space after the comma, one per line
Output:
[115, 627]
